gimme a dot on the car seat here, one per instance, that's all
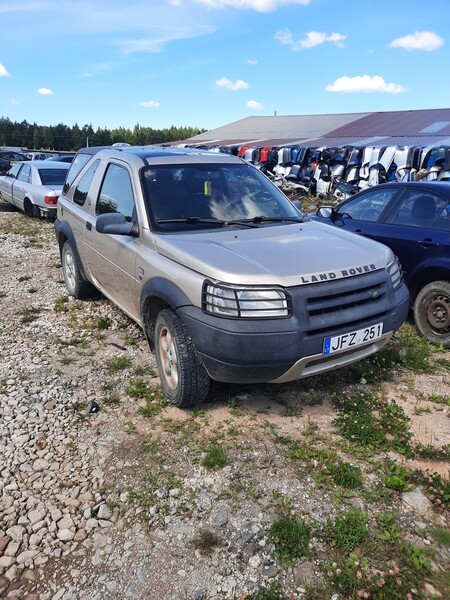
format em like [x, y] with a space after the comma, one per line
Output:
[423, 212]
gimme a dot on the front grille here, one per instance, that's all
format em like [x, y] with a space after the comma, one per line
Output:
[344, 304]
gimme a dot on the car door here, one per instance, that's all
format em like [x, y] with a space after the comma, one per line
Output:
[111, 258]
[7, 182]
[417, 228]
[21, 185]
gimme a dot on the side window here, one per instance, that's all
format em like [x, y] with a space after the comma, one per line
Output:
[14, 170]
[368, 207]
[24, 174]
[77, 164]
[81, 191]
[116, 193]
[418, 209]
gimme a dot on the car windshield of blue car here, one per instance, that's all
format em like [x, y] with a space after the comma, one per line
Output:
[193, 196]
[52, 176]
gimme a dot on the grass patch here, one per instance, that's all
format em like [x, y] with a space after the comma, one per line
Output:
[205, 542]
[118, 363]
[28, 315]
[349, 530]
[215, 457]
[291, 537]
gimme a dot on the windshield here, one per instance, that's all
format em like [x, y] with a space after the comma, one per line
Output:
[194, 195]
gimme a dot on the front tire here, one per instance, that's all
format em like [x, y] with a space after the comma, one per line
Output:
[76, 285]
[432, 312]
[183, 376]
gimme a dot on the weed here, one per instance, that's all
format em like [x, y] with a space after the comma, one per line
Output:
[78, 406]
[61, 304]
[154, 403]
[388, 528]
[415, 351]
[118, 363]
[273, 592]
[395, 477]
[137, 389]
[345, 474]
[24, 278]
[28, 315]
[32, 290]
[215, 457]
[291, 537]
[197, 412]
[430, 452]
[357, 422]
[104, 323]
[205, 542]
[441, 535]
[111, 400]
[130, 427]
[292, 411]
[438, 399]
[349, 530]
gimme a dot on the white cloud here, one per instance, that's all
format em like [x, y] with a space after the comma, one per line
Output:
[254, 105]
[44, 92]
[226, 83]
[258, 5]
[420, 40]
[313, 38]
[15, 102]
[364, 83]
[150, 104]
[253, 61]
[3, 71]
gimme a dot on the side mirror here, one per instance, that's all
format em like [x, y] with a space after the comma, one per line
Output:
[116, 224]
[325, 212]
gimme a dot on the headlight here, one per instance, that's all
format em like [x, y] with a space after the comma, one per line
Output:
[245, 302]
[395, 271]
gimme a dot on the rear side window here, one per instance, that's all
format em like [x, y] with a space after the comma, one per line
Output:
[116, 193]
[81, 191]
[77, 164]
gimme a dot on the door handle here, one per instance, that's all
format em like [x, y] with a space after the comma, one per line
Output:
[360, 231]
[428, 242]
[88, 226]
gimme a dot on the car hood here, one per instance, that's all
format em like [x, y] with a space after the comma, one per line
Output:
[285, 255]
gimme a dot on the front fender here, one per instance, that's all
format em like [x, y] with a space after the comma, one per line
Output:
[156, 294]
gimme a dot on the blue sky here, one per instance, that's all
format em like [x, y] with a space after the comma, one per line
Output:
[206, 63]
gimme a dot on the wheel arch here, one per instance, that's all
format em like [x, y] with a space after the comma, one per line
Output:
[157, 294]
[424, 277]
[65, 234]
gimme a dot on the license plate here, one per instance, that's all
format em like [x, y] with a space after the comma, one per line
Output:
[352, 339]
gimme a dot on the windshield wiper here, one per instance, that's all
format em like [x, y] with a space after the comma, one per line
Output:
[262, 219]
[201, 221]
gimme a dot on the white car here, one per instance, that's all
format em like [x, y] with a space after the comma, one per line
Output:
[34, 186]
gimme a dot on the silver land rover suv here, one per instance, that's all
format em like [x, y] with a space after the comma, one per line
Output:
[220, 270]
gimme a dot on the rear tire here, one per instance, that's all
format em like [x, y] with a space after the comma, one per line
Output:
[183, 376]
[432, 312]
[29, 208]
[76, 285]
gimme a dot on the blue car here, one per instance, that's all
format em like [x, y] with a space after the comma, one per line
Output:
[413, 219]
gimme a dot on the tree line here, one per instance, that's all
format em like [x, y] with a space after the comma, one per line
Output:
[64, 138]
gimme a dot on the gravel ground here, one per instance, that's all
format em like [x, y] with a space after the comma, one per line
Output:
[104, 492]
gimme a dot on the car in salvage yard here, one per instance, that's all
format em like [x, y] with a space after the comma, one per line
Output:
[9, 158]
[221, 271]
[413, 219]
[34, 186]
